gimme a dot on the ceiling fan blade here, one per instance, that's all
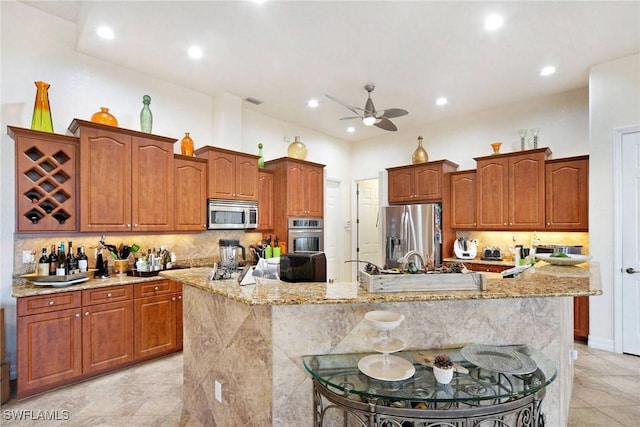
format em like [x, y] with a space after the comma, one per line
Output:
[344, 104]
[386, 124]
[369, 108]
[394, 112]
[350, 118]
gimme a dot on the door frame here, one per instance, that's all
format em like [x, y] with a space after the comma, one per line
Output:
[617, 232]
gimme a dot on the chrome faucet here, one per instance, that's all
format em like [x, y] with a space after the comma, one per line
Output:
[417, 255]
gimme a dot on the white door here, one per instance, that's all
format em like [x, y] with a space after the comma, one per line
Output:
[631, 243]
[333, 230]
[368, 241]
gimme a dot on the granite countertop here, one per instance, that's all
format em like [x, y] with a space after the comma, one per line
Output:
[478, 260]
[543, 280]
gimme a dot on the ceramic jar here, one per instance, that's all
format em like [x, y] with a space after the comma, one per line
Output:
[105, 117]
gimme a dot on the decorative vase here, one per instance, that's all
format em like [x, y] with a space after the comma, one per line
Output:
[420, 155]
[261, 159]
[297, 149]
[496, 147]
[186, 145]
[523, 135]
[534, 134]
[146, 118]
[105, 117]
[443, 376]
[41, 119]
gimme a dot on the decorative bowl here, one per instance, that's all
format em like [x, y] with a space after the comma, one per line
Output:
[570, 259]
[383, 319]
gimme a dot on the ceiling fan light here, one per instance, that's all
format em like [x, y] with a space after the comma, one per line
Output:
[369, 120]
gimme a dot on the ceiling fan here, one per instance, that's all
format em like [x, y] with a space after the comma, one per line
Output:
[369, 115]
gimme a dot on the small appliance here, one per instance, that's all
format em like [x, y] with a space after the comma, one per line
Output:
[230, 250]
[303, 267]
[231, 214]
[465, 248]
[492, 253]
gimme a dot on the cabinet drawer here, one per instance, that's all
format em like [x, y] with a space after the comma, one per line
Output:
[148, 289]
[490, 268]
[109, 294]
[49, 303]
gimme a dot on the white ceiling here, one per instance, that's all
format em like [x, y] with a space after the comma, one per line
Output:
[285, 53]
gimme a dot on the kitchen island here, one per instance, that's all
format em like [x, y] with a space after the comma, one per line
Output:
[251, 339]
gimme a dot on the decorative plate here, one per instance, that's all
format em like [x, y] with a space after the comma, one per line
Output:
[396, 369]
[62, 284]
[570, 259]
[499, 359]
[40, 279]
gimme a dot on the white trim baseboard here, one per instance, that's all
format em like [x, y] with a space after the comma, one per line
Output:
[602, 344]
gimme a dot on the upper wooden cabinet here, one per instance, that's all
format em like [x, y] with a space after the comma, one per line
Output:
[190, 193]
[265, 200]
[511, 191]
[418, 183]
[46, 181]
[463, 200]
[126, 179]
[567, 194]
[231, 175]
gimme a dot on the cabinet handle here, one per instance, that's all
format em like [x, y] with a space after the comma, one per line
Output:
[173, 299]
[180, 297]
[77, 314]
[156, 288]
[128, 225]
[135, 225]
[109, 295]
[86, 313]
[52, 302]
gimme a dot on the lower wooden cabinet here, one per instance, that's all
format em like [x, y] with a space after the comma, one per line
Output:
[581, 318]
[68, 336]
[490, 268]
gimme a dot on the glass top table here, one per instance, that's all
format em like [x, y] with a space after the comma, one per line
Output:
[493, 387]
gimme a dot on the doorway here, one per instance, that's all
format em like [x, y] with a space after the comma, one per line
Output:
[367, 217]
[628, 287]
[333, 230]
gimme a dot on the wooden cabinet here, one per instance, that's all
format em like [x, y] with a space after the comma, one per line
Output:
[510, 191]
[581, 318]
[49, 341]
[231, 175]
[265, 200]
[490, 268]
[420, 183]
[190, 192]
[567, 194]
[68, 336]
[46, 180]
[155, 314]
[126, 179]
[462, 208]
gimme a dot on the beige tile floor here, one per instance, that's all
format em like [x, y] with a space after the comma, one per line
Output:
[606, 393]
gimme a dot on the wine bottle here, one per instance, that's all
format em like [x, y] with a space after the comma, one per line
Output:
[62, 261]
[83, 261]
[43, 264]
[72, 262]
[53, 261]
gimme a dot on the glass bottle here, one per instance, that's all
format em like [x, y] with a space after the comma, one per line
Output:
[146, 117]
[261, 159]
[53, 261]
[41, 119]
[43, 264]
[297, 149]
[61, 270]
[186, 145]
[83, 261]
[420, 155]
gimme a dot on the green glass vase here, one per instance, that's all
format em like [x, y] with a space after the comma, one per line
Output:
[146, 117]
[41, 119]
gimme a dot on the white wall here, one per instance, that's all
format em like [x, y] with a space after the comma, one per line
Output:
[614, 93]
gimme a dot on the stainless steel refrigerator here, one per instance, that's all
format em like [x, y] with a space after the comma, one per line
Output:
[412, 228]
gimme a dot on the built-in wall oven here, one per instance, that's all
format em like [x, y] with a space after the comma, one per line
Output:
[305, 235]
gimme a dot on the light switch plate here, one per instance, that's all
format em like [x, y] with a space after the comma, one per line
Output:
[218, 391]
[27, 257]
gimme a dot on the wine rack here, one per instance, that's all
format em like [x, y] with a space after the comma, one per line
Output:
[46, 181]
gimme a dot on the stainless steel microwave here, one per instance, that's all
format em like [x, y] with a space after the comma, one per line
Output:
[231, 215]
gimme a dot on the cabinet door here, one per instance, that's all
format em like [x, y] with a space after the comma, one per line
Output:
[581, 318]
[265, 201]
[492, 193]
[296, 198]
[400, 185]
[314, 204]
[246, 178]
[427, 183]
[190, 195]
[179, 322]
[152, 185]
[50, 350]
[222, 182]
[155, 325]
[463, 200]
[567, 195]
[105, 181]
[107, 336]
[526, 192]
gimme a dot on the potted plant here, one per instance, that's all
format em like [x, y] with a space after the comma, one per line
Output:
[443, 368]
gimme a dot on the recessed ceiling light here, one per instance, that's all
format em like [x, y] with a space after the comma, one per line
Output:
[195, 52]
[441, 101]
[351, 129]
[313, 103]
[548, 70]
[105, 32]
[493, 22]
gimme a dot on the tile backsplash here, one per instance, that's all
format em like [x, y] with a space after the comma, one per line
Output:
[190, 248]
